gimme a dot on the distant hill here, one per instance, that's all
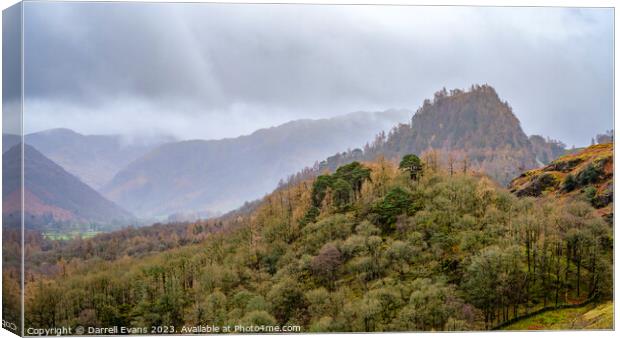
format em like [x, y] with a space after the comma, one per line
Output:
[587, 174]
[546, 150]
[9, 140]
[53, 197]
[95, 159]
[219, 175]
[474, 129]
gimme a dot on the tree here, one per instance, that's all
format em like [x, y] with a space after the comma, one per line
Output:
[430, 306]
[342, 192]
[319, 189]
[258, 318]
[354, 173]
[396, 202]
[327, 262]
[412, 164]
[288, 300]
[490, 278]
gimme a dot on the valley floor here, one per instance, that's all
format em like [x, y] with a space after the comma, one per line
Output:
[588, 317]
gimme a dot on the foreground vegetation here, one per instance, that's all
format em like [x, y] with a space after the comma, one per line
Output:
[370, 247]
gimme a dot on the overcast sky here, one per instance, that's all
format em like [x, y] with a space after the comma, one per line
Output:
[213, 70]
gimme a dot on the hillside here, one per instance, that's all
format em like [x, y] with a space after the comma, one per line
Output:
[473, 127]
[368, 247]
[546, 150]
[220, 175]
[94, 159]
[53, 197]
[588, 317]
[586, 174]
[9, 140]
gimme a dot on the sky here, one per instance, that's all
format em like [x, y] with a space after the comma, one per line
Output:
[210, 71]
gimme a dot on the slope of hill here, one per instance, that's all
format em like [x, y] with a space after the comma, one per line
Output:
[95, 159]
[474, 127]
[9, 140]
[588, 317]
[587, 174]
[219, 175]
[53, 197]
[363, 249]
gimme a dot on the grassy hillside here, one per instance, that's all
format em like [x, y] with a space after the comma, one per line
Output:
[586, 175]
[589, 317]
[369, 247]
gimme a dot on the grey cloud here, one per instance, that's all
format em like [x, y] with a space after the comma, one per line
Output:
[209, 70]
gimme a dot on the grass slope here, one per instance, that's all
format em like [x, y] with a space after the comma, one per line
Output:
[588, 317]
[589, 170]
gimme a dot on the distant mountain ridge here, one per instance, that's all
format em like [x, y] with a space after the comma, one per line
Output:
[95, 159]
[474, 129]
[219, 175]
[53, 197]
[9, 140]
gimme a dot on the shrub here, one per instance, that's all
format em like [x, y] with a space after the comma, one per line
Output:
[591, 174]
[570, 183]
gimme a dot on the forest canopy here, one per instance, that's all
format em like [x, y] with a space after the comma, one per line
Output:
[369, 247]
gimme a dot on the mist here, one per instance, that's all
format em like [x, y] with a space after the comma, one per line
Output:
[210, 71]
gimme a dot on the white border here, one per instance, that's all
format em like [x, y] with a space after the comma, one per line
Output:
[519, 3]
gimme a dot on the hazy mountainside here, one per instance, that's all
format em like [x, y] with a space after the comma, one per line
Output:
[546, 150]
[8, 141]
[366, 248]
[219, 175]
[53, 197]
[606, 137]
[95, 159]
[473, 127]
[587, 174]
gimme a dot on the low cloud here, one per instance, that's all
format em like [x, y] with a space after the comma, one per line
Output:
[215, 70]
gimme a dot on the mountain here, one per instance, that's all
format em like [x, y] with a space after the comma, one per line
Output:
[53, 196]
[95, 159]
[587, 174]
[219, 175]
[474, 130]
[9, 140]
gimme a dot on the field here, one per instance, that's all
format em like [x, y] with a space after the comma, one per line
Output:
[589, 317]
[60, 236]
